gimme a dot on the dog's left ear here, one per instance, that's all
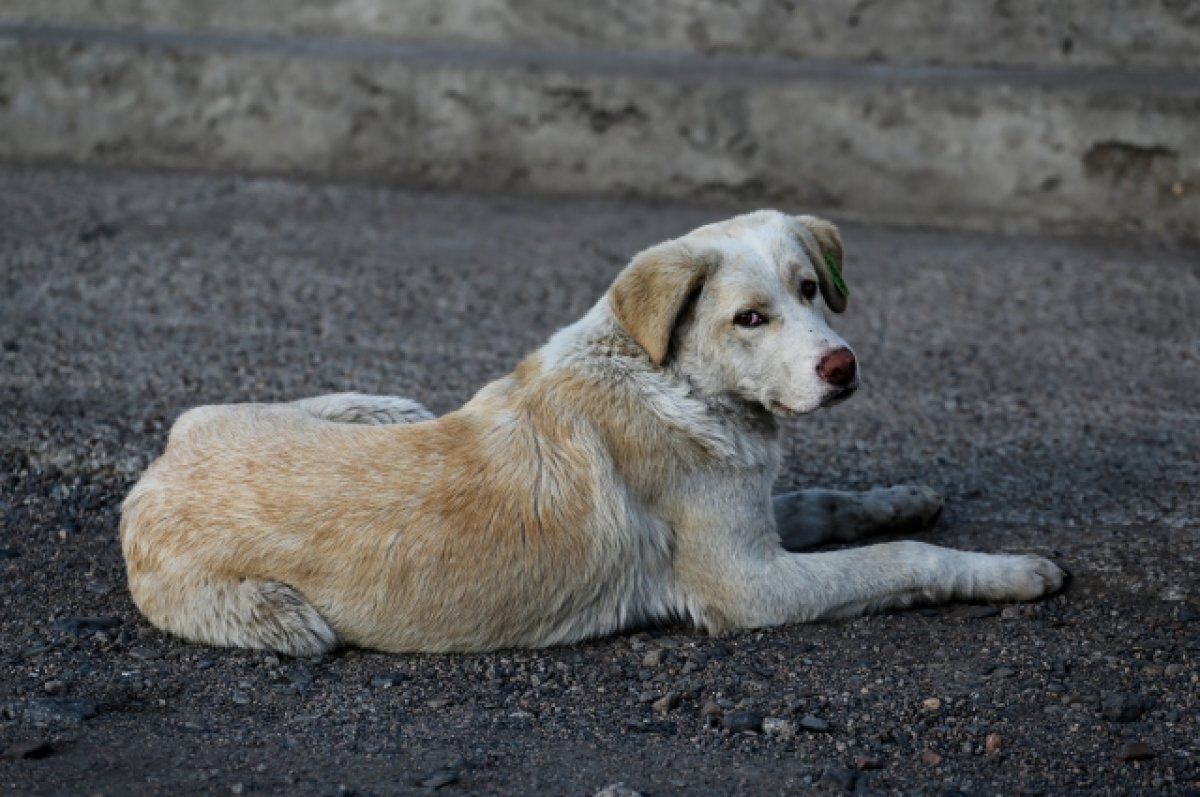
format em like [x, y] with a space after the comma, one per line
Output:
[828, 259]
[649, 294]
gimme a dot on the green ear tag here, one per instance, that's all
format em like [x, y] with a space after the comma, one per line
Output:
[838, 283]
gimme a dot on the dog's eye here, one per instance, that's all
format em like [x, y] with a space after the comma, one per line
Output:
[749, 318]
[808, 288]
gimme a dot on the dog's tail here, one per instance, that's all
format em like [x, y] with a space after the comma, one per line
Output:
[210, 607]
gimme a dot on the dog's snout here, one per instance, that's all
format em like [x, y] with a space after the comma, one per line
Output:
[838, 367]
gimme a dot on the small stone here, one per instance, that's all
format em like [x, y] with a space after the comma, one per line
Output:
[34, 749]
[1123, 707]
[814, 724]
[743, 721]
[931, 704]
[386, 680]
[652, 659]
[930, 757]
[992, 743]
[445, 775]
[1010, 613]
[666, 703]
[1135, 751]
[54, 688]
[711, 713]
[617, 790]
[237, 788]
[867, 761]
[839, 777]
[438, 702]
[779, 728]
[240, 698]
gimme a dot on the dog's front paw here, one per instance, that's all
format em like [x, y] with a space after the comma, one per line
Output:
[905, 508]
[1020, 578]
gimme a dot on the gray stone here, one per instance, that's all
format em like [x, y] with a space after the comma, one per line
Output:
[743, 721]
[814, 724]
[1123, 707]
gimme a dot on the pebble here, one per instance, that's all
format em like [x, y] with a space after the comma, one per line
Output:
[652, 659]
[931, 704]
[1010, 613]
[1123, 707]
[54, 688]
[711, 713]
[1135, 751]
[742, 721]
[779, 728]
[617, 790]
[866, 761]
[666, 703]
[814, 724]
[241, 698]
[46, 710]
[930, 757]
[992, 743]
[386, 680]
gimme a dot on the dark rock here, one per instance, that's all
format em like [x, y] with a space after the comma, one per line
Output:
[867, 761]
[444, 775]
[814, 724]
[839, 778]
[1135, 751]
[742, 721]
[1123, 707]
[33, 748]
[49, 710]
[9, 553]
[85, 625]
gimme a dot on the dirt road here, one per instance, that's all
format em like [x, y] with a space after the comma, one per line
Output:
[1048, 387]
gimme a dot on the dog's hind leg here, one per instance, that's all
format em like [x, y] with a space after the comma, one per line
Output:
[809, 518]
[363, 408]
[246, 613]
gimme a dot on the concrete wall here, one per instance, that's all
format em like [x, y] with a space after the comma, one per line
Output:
[543, 101]
[1154, 33]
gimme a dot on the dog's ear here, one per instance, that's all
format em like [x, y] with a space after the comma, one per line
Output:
[828, 259]
[649, 294]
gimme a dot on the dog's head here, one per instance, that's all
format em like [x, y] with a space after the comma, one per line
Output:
[739, 307]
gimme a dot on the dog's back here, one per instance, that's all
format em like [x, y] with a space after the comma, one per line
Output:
[262, 526]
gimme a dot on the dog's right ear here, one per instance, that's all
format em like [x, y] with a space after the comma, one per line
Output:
[649, 294]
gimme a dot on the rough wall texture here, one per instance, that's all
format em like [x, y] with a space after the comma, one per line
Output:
[974, 151]
[1158, 33]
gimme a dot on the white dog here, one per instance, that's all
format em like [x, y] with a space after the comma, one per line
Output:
[619, 476]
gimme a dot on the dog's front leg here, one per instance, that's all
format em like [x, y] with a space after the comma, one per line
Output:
[363, 408]
[778, 587]
[809, 518]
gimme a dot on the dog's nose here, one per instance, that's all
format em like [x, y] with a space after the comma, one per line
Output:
[838, 367]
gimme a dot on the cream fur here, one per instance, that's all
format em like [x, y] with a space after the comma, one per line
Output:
[620, 475]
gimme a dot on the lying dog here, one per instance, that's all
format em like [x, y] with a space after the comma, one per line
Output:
[619, 476]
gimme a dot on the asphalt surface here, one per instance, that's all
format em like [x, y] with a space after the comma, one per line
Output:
[1046, 386]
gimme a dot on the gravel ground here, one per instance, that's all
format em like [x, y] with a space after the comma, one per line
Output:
[1047, 386]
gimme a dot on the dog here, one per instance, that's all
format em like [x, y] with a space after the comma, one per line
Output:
[619, 476]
